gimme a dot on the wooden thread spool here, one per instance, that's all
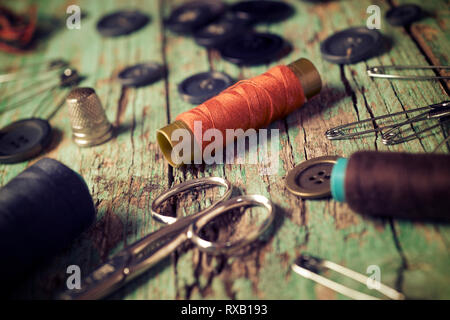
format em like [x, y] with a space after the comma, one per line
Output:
[252, 103]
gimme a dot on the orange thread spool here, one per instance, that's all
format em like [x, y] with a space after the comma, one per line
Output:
[252, 103]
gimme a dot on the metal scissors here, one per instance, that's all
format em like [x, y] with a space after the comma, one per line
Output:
[135, 259]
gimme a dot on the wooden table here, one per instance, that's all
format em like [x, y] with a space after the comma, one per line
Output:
[127, 173]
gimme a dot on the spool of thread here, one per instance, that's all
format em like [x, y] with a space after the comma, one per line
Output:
[252, 103]
[401, 185]
[42, 210]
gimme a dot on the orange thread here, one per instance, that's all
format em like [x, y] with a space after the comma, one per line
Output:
[252, 103]
[16, 32]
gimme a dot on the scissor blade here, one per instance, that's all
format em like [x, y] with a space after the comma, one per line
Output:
[118, 270]
[167, 232]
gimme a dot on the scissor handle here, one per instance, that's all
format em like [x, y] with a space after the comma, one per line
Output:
[191, 184]
[187, 228]
[231, 247]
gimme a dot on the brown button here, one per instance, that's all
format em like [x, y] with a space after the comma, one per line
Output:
[311, 178]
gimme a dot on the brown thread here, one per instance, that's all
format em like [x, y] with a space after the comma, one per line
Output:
[403, 185]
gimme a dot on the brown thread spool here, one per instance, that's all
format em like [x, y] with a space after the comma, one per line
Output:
[402, 185]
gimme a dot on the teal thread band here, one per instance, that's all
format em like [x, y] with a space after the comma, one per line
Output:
[338, 179]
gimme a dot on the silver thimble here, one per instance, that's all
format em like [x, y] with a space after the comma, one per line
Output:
[90, 126]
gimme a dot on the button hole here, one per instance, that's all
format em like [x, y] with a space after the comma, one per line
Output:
[14, 144]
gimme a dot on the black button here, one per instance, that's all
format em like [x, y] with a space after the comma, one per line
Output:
[193, 15]
[217, 33]
[203, 86]
[262, 11]
[403, 15]
[253, 48]
[351, 45]
[141, 74]
[23, 140]
[121, 23]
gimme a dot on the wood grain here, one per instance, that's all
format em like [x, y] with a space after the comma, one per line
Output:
[125, 174]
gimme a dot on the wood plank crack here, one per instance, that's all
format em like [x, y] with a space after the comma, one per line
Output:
[349, 91]
[368, 109]
[404, 262]
[407, 116]
[121, 106]
[291, 154]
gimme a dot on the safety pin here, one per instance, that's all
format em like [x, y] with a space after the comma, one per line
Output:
[376, 72]
[28, 69]
[434, 111]
[67, 78]
[308, 267]
[441, 111]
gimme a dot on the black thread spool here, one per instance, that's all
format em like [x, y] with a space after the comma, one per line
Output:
[42, 210]
[401, 185]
